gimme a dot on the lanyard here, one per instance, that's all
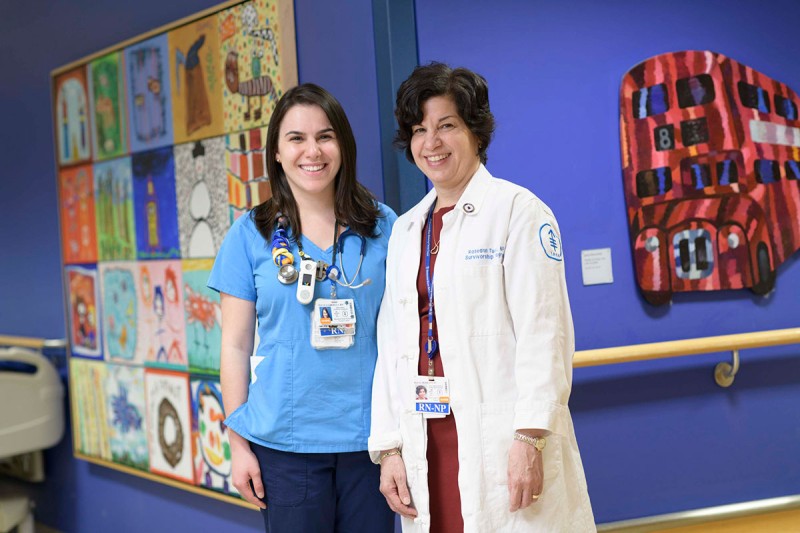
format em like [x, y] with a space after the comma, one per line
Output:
[333, 260]
[432, 345]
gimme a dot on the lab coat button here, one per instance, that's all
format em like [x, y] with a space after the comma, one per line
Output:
[469, 208]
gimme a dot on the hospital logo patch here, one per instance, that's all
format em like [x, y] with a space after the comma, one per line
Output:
[551, 242]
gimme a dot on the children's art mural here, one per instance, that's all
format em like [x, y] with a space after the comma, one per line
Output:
[78, 229]
[212, 449]
[711, 173]
[196, 79]
[113, 202]
[71, 109]
[125, 408]
[201, 186]
[246, 166]
[160, 146]
[107, 93]
[149, 101]
[251, 55]
[120, 312]
[203, 317]
[154, 201]
[161, 336]
[169, 424]
[90, 431]
[84, 306]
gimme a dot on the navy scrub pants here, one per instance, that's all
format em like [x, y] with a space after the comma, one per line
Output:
[322, 492]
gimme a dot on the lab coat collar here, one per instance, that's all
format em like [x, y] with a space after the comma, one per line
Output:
[470, 202]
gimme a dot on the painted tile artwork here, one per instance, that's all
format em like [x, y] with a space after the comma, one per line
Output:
[87, 381]
[149, 102]
[113, 201]
[251, 58]
[155, 204]
[201, 185]
[169, 424]
[160, 319]
[125, 408]
[711, 173]
[246, 166]
[78, 231]
[196, 80]
[212, 449]
[160, 146]
[71, 109]
[84, 311]
[203, 317]
[120, 312]
[107, 99]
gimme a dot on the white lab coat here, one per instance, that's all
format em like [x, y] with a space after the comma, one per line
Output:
[506, 341]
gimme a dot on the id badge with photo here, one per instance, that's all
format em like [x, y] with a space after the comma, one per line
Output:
[333, 324]
[338, 312]
[432, 396]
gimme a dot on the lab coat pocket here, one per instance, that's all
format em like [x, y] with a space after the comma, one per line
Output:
[552, 459]
[482, 301]
[497, 433]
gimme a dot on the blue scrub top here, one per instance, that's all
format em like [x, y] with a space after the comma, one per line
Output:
[303, 399]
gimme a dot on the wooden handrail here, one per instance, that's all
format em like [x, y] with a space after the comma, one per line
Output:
[662, 350]
[583, 358]
[31, 342]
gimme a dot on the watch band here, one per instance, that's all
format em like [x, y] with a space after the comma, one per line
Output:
[537, 442]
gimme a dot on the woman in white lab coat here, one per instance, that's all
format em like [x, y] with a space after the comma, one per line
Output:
[492, 446]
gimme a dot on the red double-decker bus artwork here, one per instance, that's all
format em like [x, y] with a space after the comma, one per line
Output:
[711, 161]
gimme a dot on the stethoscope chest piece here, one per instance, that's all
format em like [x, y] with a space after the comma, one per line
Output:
[287, 274]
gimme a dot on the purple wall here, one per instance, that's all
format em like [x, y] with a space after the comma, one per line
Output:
[655, 437]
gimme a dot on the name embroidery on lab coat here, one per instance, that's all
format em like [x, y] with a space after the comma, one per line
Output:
[474, 254]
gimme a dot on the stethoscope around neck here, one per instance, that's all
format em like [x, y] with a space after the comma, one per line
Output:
[287, 272]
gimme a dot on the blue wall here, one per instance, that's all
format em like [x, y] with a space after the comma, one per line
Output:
[655, 437]
[335, 49]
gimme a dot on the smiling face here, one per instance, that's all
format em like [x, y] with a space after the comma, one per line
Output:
[308, 151]
[444, 148]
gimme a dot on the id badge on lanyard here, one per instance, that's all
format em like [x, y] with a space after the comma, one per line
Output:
[431, 393]
[432, 396]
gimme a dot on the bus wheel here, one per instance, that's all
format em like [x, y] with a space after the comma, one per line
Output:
[766, 277]
[657, 297]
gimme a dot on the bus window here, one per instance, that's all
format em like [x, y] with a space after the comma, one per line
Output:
[694, 131]
[727, 172]
[785, 107]
[696, 90]
[767, 171]
[755, 97]
[650, 101]
[694, 256]
[792, 170]
[701, 176]
[653, 182]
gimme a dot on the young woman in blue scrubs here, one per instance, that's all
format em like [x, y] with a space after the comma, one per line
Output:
[299, 425]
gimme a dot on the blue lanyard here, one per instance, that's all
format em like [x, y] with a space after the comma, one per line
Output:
[432, 344]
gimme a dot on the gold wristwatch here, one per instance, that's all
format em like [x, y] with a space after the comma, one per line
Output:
[537, 442]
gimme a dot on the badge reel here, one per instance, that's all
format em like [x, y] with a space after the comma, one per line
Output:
[308, 278]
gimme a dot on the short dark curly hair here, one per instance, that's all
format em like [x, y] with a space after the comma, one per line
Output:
[469, 91]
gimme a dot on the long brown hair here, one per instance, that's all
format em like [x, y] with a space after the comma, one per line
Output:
[353, 204]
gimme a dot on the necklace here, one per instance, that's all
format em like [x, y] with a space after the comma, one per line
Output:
[435, 249]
